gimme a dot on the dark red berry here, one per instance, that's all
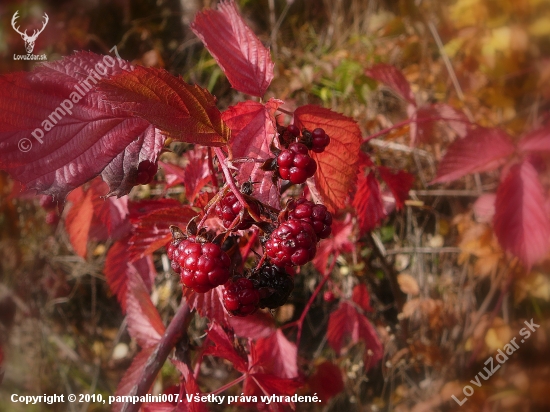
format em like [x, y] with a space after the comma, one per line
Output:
[319, 140]
[316, 215]
[295, 164]
[201, 265]
[146, 172]
[293, 243]
[274, 285]
[240, 298]
[293, 130]
[229, 207]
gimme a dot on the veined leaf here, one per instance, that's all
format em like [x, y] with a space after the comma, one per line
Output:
[182, 111]
[480, 151]
[337, 165]
[56, 134]
[521, 220]
[243, 58]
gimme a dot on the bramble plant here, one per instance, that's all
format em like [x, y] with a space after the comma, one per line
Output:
[268, 189]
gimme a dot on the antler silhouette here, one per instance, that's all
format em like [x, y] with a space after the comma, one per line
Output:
[13, 19]
[24, 34]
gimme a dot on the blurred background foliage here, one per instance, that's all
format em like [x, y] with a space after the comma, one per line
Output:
[61, 329]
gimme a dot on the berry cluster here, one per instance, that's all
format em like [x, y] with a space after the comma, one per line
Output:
[293, 162]
[290, 236]
[229, 208]
[202, 265]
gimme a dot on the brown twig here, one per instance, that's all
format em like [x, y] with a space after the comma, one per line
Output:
[175, 331]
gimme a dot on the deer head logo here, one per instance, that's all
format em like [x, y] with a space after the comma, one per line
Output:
[29, 40]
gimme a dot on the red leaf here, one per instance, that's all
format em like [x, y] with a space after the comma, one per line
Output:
[480, 151]
[152, 231]
[78, 223]
[122, 172]
[536, 141]
[241, 55]
[208, 305]
[521, 222]
[191, 387]
[399, 182]
[393, 78]
[118, 268]
[144, 207]
[258, 325]
[361, 296]
[277, 355]
[195, 175]
[253, 128]
[338, 242]
[346, 321]
[426, 118]
[337, 165]
[368, 203]
[327, 381]
[132, 376]
[93, 217]
[70, 145]
[182, 111]
[223, 347]
[144, 322]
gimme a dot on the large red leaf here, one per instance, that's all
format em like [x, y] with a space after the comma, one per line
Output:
[278, 355]
[368, 203]
[347, 321]
[480, 151]
[241, 55]
[118, 268]
[521, 220]
[253, 128]
[223, 347]
[144, 322]
[393, 78]
[182, 111]
[55, 148]
[152, 231]
[337, 165]
[399, 182]
[536, 141]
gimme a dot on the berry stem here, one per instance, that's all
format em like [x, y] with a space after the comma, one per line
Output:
[176, 330]
[232, 186]
[300, 321]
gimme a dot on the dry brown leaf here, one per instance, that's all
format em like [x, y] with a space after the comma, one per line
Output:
[408, 284]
